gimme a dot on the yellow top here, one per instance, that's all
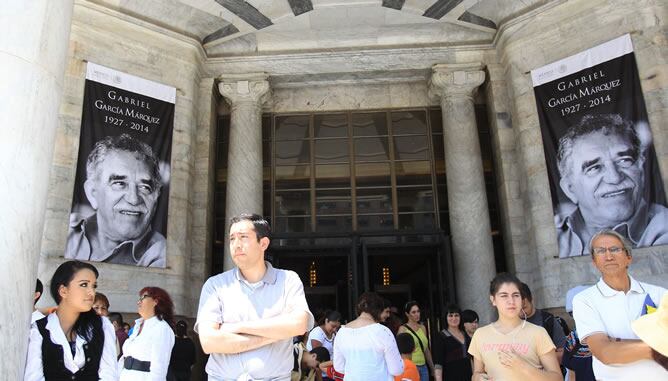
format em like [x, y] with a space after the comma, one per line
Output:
[418, 355]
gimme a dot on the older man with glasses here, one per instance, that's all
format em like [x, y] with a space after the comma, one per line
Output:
[603, 313]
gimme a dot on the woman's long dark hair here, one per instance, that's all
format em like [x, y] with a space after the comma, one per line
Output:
[164, 309]
[88, 324]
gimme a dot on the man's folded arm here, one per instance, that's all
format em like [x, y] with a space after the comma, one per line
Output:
[280, 327]
[609, 351]
[216, 340]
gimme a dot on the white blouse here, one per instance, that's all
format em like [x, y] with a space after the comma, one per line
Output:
[154, 344]
[367, 353]
[34, 370]
[318, 334]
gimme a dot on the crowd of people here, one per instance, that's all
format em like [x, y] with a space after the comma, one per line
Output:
[254, 323]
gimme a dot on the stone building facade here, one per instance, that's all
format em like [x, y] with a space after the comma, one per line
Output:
[276, 72]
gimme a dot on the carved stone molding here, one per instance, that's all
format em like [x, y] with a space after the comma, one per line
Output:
[238, 88]
[456, 80]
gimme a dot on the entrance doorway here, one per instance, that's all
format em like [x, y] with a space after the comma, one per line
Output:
[325, 273]
[401, 267]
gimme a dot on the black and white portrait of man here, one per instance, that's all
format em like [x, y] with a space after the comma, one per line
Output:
[123, 183]
[601, 167]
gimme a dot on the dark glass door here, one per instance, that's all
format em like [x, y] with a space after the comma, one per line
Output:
[325, 274]
[411, 271]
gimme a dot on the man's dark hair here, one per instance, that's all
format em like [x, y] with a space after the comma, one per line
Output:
[608, 124]
[405, 343]
[181, 328]
[127, 143]
[39, 287]
[260, 225]
[321, 354]
[526, 292]
[469, 316]
[116, 317]
[371, 303]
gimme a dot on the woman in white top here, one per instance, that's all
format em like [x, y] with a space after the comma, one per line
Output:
[147, 351]
[323, 336]
[73, 342]
[364, 349]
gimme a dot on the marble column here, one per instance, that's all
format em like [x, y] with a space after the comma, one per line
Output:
[34, 36]
[470, 229]
[245, 93]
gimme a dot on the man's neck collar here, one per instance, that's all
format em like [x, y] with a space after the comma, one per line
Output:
[108, 247]
[633, 228]
[620, 283]
[255, 274]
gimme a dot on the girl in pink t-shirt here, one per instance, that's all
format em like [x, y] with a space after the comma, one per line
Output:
[511, 348]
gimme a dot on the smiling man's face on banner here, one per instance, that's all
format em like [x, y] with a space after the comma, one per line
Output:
[605, 179]
[124, 194]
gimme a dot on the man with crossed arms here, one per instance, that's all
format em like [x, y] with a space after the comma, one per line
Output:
[603, 314]
[248, 315]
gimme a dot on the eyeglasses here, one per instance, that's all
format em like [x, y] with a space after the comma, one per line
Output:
[614, 250]
[141, 298]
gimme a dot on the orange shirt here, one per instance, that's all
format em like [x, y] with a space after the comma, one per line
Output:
[410, 372]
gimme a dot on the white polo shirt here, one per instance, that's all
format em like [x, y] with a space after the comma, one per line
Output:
[229, 298]
[600, 309]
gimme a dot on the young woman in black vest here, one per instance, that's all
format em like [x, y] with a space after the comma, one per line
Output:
[73, 343]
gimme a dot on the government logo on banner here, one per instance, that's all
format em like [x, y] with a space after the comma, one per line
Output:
[121, 189]
[600, 157]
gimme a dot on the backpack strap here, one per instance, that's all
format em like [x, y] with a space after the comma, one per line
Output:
[416, 336]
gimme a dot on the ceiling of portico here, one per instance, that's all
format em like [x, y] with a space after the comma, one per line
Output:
[240, 28]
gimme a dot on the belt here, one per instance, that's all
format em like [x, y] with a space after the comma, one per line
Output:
[132, 363]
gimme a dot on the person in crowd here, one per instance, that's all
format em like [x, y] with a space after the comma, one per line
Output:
[307, 363]
[601, 166]
[422, 354]
[36, 314]
[603, 313]
[451, 358]
[390, 318]
[406, 346]
[123, 184]
[511, 348]
[652, 329]
[471, 320]
[116, 320]
[323, 335]
[101, 304]
[73, 343]
[577, 356]
[387, 312]
[248, 315]
[183, 354]
[127, 328]
[147, 351]
[556, 328]
[364, 349]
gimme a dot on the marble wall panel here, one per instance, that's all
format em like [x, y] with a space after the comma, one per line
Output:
[557, 32]
[111, 39]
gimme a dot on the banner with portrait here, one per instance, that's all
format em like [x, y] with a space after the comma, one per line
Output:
[121, 189]
[600, 157]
